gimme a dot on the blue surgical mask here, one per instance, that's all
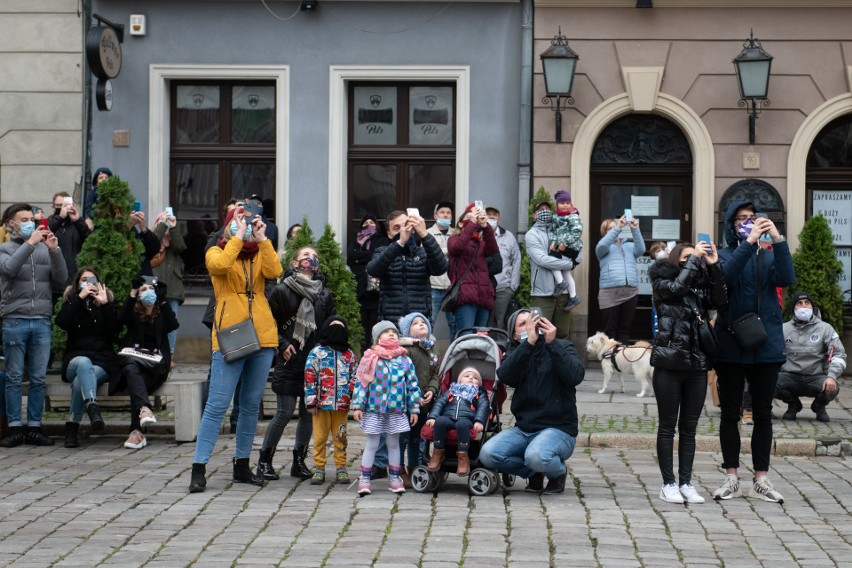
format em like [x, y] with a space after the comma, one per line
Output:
[443, 222]
[744, 229]
[26, 229]
[493, 223]
[524, 336]
[148, 297]
[234, 229]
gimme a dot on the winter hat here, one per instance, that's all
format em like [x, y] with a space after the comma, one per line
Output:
[563, 196]
[380, 328]
[794, 299]
[442, 205]
[474, 371]
[98, 172]
[467, 209]
[406, 321]
[510, 325]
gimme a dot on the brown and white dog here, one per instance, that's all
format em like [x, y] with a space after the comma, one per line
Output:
[618, 358]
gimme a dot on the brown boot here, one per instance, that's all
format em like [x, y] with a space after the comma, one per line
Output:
[437, 459]
[464, 464]
[405, 475]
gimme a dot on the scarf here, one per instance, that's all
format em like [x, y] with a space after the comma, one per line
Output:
[248, 252]
[385, 349]
[466, 391]
[309, 290]
[334, 336]
[364, 237]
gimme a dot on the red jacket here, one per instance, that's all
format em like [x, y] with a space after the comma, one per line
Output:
[476, 287]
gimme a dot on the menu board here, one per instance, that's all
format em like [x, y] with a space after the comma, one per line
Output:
[844, 255]
[836, 207]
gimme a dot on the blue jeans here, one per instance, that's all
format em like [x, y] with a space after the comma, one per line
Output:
[25, 340]
[87, 377]
[437, 298]
[471, 315]
[174, 304]
[223, 383]
[523, 454]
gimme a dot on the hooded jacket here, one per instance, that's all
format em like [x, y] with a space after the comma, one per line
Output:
[510, 277]
[457, 407]
[678, 293]
[618, 261]
[739, 264]
[545, 378]
[476, 288]
[404, 274]
[27, 276]
[329, 378]
[807, 345]
[537, 241]
[357, 258]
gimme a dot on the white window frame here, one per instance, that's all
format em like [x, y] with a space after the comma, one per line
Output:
[340, 77]
[159, 131]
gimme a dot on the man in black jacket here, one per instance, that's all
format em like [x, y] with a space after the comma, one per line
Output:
[544, 372]
[404, 267]
[70, 230]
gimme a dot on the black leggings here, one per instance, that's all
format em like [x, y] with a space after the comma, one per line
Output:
[139, 384]
[618, 319]
[680, 400]
[462, 427]
[761, 384]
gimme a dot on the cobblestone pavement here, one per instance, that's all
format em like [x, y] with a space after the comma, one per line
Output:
[102, 504]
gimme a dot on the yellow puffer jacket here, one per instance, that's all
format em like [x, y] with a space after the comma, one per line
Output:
[229, 285]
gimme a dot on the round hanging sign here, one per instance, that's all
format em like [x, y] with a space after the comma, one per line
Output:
[103, 94]
[103, 52]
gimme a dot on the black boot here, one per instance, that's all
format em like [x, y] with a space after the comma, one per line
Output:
[71, 431]
[35, 437]
[198, 482]
[535, 483]
[265, 469]
[299, 469]
[793, 408]
[556, 485]
[819, 410]
[94, 415]
[14, 438]
[243, 473]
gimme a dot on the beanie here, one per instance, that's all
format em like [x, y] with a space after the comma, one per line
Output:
[406, 321]
[381, 327]
[562, 196]
[794, 299]
[510, 325]
[472, 370]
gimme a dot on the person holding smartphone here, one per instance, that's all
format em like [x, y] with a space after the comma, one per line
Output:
[619, 278]
[71, 231]
[752, 274]
[545, 372]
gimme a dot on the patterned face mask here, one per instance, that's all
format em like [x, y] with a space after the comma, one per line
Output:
[744, 229]
[310, 264]
[544, 216]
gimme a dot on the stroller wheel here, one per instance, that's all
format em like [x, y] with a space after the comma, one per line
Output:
[508, 479]
[481, 482]
[420, 479]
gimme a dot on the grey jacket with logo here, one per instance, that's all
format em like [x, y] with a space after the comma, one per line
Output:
[807, 345]
[537, 241]
[26, 276]
[510, 277]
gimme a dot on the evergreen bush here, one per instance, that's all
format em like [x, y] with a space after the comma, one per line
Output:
[817, 271]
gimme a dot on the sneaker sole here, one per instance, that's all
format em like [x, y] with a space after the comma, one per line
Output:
[760, 496]
[726, 497]
[400, 490]
[663, 498]
[146, 421]
[139, 446]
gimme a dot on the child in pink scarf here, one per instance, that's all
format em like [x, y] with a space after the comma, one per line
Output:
[386, 401]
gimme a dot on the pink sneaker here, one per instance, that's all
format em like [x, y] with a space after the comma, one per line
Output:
[395, 484]
[364, 487]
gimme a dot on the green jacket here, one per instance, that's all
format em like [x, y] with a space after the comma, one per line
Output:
[426, 364]
[170, 270]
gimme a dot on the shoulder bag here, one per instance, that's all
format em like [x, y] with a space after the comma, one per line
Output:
[239, 340]
[451, 300]
[748, 330]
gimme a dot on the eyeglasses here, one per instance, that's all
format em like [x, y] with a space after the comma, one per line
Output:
[742, 218]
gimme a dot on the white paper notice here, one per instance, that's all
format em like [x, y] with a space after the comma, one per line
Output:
[665, 229]
[836, 207]
[645, 205]
[643, 263]
[844, 255]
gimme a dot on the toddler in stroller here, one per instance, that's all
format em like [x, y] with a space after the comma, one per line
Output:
[462, 408]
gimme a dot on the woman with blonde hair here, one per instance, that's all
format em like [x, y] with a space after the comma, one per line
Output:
[619, 278]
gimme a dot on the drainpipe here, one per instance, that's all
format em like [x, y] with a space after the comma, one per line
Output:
[87, 108]
[524, 155]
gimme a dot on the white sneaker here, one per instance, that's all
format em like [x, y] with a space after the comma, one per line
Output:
[671, 494]
[729, 489]
[690, 494]
[146, 416]
[763, 489]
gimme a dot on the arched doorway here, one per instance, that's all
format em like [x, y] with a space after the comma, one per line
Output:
[829, 189]
[641, 162]
[757, 191]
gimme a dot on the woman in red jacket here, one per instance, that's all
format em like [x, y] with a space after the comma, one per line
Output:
[471, 247]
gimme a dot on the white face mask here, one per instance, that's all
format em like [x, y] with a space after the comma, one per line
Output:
[803, 314]
[662, 255]
[493, 223]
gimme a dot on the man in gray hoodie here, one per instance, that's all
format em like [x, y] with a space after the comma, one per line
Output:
[815, 359]
[30, 263]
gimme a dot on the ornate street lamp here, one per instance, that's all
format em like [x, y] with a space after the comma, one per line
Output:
[559, 63]
[752, 66]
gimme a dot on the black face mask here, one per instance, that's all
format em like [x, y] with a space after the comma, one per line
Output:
[334, 336]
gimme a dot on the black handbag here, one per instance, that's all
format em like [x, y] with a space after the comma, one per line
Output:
[748, 330]
[451, 299]
[239, 340]
[703, 332]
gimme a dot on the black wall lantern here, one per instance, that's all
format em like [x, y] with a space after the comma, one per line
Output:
[103, 53]
[559, 63]
[753, 65]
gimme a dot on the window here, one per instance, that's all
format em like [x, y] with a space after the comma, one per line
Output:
[402, 148]
[223, 146]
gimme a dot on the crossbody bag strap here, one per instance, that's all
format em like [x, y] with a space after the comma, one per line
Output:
[472, 261]
[758, 269]
[249, 284]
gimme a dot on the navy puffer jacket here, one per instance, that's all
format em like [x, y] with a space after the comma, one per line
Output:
[405, 273]
[739, 263]
[456, 408]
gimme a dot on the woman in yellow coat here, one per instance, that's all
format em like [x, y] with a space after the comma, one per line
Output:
[238, 266]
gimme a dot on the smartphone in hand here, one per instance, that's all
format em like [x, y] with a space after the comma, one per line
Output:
[137, 206]
[412, 211]
[764, 236]
[628, 214]
[43, 223]
[479, 205]
[252, 210]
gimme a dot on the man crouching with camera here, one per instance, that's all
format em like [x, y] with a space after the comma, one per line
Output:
[544, 372]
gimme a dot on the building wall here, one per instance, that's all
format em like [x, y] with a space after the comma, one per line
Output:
[41, 97]
[695, 48]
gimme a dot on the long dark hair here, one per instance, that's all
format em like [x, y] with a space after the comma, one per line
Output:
[75, 285]
[674, 256]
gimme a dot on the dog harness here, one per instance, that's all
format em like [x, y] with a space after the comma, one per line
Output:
[611, 353]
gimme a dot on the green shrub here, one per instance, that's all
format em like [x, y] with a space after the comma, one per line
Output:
[817, 271]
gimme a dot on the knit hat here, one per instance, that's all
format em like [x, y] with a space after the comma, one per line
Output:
[510, 325]
[472, 370]
[442, 205]
[381, 327]
[406, 321]
[794, 299]
[468, 208]
[563, 196]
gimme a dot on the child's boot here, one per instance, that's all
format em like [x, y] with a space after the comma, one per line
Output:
[395, 484]
[463, 467]
[318, 477]
[437, 459]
